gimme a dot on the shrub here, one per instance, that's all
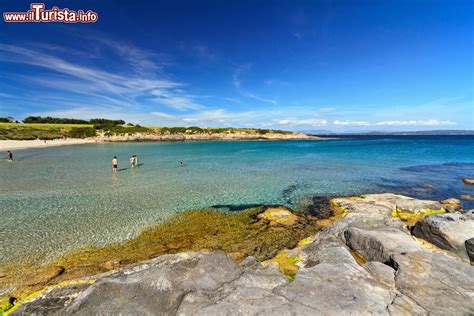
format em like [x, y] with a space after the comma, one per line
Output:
[81, 132]
[121, 130]
[106, 122]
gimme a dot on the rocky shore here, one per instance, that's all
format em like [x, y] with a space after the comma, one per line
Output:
[234, 135]
[386, 254]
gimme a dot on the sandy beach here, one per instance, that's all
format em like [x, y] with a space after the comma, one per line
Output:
[26, 144]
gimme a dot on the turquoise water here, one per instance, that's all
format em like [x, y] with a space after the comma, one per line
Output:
[60, 198]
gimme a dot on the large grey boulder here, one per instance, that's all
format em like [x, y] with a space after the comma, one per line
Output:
[434, 282]
[447, 231]
[380, 244]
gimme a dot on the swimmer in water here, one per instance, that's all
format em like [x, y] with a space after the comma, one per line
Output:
[9, 156]
[114, 164]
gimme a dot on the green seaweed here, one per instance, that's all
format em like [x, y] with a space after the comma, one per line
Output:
[196, 230]
[6, 304]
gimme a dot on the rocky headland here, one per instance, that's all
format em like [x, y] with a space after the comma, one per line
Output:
[376, 254]
[23, 136]
[205, 136]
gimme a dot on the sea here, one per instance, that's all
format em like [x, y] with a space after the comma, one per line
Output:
[57, 199]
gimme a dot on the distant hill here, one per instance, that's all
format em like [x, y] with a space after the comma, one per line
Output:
[427, 133]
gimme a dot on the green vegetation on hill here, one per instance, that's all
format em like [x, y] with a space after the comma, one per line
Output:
[214, 130]
[52, 120]
[46, 131]
[16, 131]
[122, 130]
[56, 120]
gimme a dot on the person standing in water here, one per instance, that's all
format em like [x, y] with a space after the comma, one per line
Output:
[9, 156]
[133, 161]
[114, 164]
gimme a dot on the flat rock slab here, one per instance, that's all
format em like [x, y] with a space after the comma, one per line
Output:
[438, 283]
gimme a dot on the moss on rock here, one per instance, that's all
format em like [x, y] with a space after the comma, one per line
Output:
[412, 218]
[286, 263]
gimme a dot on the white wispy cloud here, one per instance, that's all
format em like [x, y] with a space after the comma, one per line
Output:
[351, 123]
[123, 88]
[206, 118]
[302, 122]
[142, 60]
[237, 82]
[416, 122]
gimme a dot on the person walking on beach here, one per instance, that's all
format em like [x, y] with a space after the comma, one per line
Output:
[9, 156]
[114, 164]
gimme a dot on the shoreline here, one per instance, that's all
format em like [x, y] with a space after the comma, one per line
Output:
[37, 143]
[377, 237]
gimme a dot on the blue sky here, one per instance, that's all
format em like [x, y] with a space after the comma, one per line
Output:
[295, 65]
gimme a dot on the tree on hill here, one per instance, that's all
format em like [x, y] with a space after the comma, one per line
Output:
[52, 120]
[6, 119]
[102, 121]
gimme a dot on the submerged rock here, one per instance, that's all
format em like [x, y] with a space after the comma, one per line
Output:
[447, 231]
[467, 181]
[466, 197]
[279, 215]
[46, 276]
[451, 204]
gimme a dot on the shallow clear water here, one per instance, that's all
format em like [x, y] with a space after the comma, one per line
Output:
[56, 199]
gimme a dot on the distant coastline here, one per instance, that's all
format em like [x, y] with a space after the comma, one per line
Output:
[402, 133]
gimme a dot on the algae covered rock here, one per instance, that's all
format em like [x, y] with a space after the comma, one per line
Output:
[417, 206]
[279, 215]
[47, 275]
[451, 204]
